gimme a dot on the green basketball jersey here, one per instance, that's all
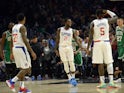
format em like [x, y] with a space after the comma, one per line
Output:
[120, 35]
[78, 57]
[7, 47]
[7, 41]
[74, 45]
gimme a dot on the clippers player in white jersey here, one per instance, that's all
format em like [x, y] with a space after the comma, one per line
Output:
[20, 48]
[102, 53]
[64, 39]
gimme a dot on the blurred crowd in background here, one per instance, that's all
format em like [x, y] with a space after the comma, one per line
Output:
[43, 19]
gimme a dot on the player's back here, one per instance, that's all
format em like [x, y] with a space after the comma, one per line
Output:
[16, 35]
[66, 37]
[101, 29]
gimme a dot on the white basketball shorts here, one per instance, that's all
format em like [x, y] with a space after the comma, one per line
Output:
[102, 53]
[22, 57]
[66, 53]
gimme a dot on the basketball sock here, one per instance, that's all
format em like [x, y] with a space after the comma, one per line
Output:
[22, 84]
[69, 76]
[73, 75]
[110, 78]
[15, 79]
[102, 79]
[110, 71]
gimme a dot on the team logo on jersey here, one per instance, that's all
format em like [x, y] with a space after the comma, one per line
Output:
[101, 24]
[67, 34]
[15, 30]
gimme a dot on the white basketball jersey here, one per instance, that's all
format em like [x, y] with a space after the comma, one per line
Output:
[101, 29]
[65, 37]
[16, 36]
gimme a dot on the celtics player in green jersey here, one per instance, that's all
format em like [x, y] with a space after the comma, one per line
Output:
[120, 38]
[120, 42]
[78, 54]
[77, 51]
[5, 50]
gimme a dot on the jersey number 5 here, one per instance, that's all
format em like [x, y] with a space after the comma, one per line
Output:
[102, 31]
[15, 37]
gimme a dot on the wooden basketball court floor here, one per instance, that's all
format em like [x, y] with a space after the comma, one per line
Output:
[61, 86]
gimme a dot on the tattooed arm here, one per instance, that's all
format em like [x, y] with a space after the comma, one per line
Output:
[22, 31]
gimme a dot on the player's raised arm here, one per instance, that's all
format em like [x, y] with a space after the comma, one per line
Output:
[90, 35]
[113, 16]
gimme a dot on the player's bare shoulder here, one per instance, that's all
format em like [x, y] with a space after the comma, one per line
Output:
[58, 29]
[92, 23]
[23, 29]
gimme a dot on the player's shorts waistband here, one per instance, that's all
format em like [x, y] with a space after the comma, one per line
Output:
[102, 40]
[19, 46]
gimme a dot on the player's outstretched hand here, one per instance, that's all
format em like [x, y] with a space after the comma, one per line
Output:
[34, 55]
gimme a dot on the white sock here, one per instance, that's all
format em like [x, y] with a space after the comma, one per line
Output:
[22, 84]
[102, 79]
[73, 75]
[110, 78]
[110, 71]
[69, 76]
[15, 79]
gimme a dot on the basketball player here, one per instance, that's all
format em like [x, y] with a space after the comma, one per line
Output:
[5, 53]
[102, 53]
[120, 42]
[20, 52]
[78, 53]
[77, 50]
[64, 38]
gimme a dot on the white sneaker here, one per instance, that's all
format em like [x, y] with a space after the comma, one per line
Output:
[118, 80]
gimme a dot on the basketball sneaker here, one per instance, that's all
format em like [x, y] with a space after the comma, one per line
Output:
[112, 85]
[24, 90]
[117, 81]
[11, 85]
[39, 77]
[73, 82]
[33, 78]
[101, 85]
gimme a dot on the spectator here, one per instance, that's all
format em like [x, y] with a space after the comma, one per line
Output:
[36, 71]
[46, 60]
